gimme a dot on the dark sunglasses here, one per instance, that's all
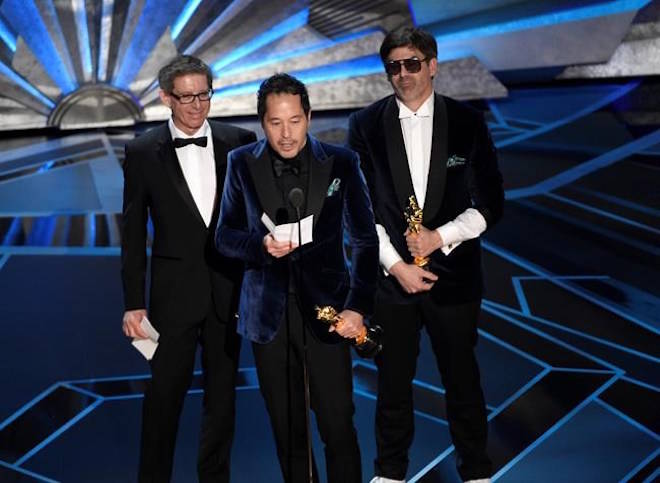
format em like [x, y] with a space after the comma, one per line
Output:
[190, 98]
[412, 65]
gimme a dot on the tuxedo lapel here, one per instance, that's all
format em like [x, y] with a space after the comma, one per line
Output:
[396, 153]
[258, 163]
[320, 167]
[435, 188]
[167, 155]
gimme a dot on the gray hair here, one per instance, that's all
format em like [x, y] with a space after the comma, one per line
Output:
[180, 66]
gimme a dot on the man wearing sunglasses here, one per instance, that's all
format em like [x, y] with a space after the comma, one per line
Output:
[174, 174]
[419, 143]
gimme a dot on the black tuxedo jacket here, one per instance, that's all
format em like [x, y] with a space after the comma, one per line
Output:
[338, 198]
[187, 273]
[470, 179]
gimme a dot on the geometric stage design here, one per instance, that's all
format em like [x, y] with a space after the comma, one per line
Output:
[94, 63]
[569, 332]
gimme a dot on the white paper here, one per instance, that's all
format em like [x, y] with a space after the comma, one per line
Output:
[289, 231]
[147, 347]
[146, 326]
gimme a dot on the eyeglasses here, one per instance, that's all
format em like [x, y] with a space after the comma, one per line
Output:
[412, 65]
[190, 98]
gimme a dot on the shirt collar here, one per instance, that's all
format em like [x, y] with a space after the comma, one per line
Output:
[425, 110]
[178, 133]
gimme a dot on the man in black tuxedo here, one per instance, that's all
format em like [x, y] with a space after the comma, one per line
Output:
[175, 173]
[419, 143]
[283, 281]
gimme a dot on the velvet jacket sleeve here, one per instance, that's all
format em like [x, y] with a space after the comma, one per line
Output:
[357, 143]
[237, 235]
[358, 223]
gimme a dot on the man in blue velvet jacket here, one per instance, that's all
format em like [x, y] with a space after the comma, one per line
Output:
[283, 282]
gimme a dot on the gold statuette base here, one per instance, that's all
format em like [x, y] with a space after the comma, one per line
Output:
[367, 344]
[328, 314]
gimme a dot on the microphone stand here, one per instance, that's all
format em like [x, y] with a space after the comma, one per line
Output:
[296, 197]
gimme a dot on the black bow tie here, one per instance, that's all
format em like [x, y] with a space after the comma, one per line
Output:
[280, 167]
[181, 142]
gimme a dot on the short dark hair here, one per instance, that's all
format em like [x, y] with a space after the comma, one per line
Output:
[182, 65]
[409, 37]
[281, 84]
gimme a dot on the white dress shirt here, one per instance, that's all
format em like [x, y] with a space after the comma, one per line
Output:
[417, 130]
[198, 166]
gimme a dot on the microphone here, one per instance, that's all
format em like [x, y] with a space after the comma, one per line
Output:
[296, 198]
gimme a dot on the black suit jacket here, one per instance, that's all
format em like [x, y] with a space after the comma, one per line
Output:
[187, 273]
[459, 132]
[338, 198]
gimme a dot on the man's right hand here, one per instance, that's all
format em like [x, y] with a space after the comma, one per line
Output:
[131, 324]
[278, 249]
[412, 278]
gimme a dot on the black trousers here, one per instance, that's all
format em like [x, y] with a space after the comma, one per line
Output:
[280, 372]
[171, 375]
[453, 333]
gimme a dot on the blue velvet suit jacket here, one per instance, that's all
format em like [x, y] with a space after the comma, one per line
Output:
[338, 198]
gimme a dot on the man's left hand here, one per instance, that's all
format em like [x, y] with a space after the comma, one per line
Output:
[423, 243]
[350, 325]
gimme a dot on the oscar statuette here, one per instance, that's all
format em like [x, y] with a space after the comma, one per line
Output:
[413, 214]
[367, 344]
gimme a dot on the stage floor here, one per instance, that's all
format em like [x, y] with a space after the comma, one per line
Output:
[568, 348]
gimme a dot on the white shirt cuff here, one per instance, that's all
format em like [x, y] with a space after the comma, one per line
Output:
[466, 226]
[387, 254]
[450, 235]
